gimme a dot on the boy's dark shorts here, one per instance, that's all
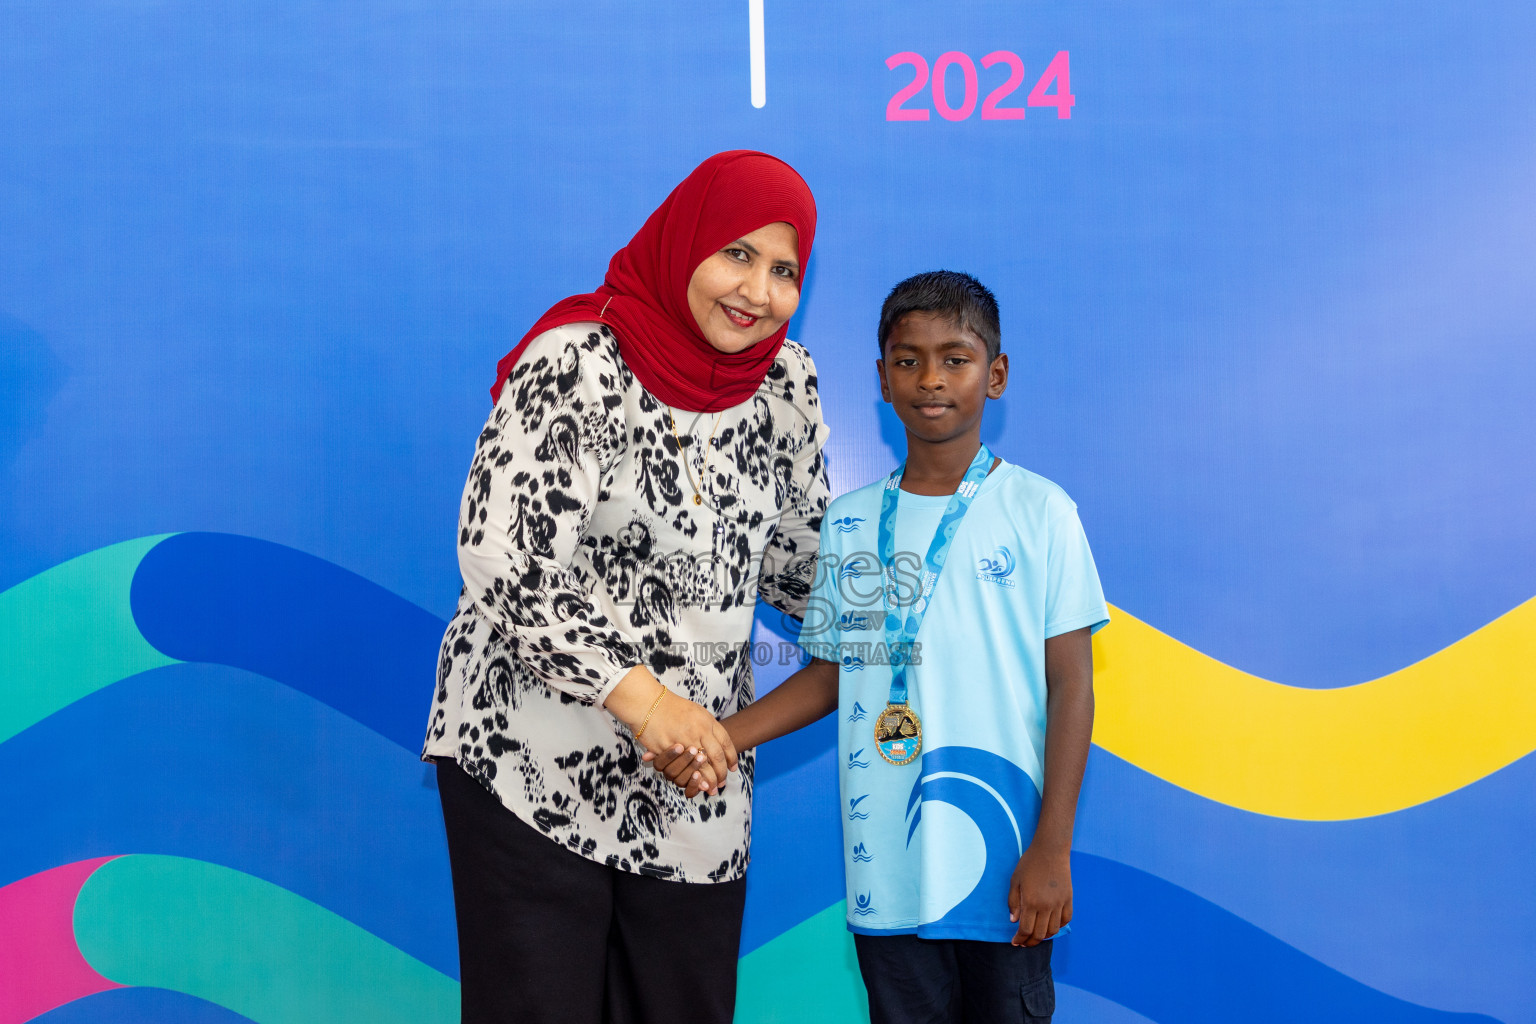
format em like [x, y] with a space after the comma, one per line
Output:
[955, 981]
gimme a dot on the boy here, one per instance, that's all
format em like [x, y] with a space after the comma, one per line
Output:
[950, 624]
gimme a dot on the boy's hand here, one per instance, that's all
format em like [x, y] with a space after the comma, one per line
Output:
[689, 768]
[1040, 896]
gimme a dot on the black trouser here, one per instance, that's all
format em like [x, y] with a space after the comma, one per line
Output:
[953, 981]
[546, 935]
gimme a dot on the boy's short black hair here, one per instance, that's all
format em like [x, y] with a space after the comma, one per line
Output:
[947, 293]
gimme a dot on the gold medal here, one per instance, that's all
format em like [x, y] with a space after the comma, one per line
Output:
[898, 734]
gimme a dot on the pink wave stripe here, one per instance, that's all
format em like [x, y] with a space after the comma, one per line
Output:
[39, 959]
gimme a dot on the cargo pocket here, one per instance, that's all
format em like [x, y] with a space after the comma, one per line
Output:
[1039, 999]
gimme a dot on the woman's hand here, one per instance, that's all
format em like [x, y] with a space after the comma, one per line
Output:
[673, 721]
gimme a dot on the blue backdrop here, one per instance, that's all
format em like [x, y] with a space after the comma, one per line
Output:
[1268, 298]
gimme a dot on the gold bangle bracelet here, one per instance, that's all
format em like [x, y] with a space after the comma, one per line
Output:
[654, 705]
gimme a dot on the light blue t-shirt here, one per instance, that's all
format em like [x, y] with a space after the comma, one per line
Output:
[930, 847]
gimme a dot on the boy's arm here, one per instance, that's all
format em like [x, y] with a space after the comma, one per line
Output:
[795, 703]
[1040, 898]
[809, 694]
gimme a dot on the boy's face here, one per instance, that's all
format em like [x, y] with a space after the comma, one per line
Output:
[935, 373]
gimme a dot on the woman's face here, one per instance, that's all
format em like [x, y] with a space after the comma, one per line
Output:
[749, 289]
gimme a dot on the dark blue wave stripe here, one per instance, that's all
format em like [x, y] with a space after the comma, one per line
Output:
[349, 643]
[797, 850]
[295, 618]
[1178, 959]
[1341, 890]
[141, 1006]
[231, 600]
[214, 763]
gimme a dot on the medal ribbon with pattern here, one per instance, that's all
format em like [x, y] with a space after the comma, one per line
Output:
[898, 730]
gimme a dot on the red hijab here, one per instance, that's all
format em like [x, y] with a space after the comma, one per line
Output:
[644, 298]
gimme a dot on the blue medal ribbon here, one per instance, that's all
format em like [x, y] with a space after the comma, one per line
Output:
[901, 631]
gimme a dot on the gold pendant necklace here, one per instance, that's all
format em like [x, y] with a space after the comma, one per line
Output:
[698, 499]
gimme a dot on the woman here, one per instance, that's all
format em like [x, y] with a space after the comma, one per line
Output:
[652, 464]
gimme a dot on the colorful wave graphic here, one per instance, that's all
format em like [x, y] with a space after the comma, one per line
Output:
[39, 958]
[207, 931]
[224, 766]
[1319, 755]
[241, 721]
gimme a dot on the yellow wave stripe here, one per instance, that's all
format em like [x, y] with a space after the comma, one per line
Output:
[1318, 755]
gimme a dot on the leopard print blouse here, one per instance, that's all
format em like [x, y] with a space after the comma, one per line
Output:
[592, 538]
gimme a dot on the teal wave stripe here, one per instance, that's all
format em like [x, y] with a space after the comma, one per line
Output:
[68, 632]
[808, 975]
[249, 946]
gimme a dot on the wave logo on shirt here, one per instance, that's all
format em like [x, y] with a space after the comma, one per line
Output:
[847, 524]
[852, 569]
[863, 904]
[1000, 799]
[851, 621]
[852, 662]
[856, 761]
[858, 714]
[861, 855]
[854, 814]
[996, 569]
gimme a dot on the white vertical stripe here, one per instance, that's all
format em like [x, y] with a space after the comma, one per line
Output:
[759, 53]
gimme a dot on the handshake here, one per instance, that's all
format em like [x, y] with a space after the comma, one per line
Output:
[685, 743]
[682, 740]
[690, 768]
